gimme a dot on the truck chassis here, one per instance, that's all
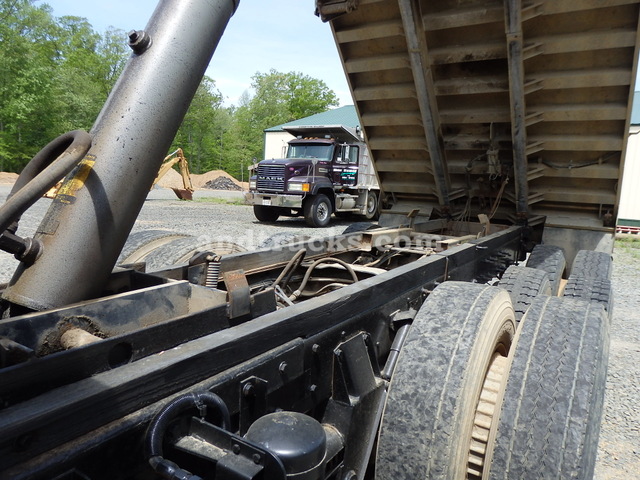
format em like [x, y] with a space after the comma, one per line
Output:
[72, 409]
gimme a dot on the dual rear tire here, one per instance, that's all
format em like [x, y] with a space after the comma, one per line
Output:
[469, 399]
[161, 249]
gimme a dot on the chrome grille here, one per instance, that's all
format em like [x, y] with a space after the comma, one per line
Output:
[270, 178]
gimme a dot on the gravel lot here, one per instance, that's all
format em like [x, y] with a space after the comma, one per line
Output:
[201, 218]
[619, 449]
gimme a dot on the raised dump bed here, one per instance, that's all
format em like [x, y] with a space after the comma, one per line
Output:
[520, 109]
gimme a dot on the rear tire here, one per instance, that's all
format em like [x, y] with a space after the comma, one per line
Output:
[592, 290]
[181, 250]
[592, 264]
[266, 214]
[590, 279]
[550, 417]
[524, 284]
[282, 238]
[371, 211]
[441, 384]
[140, 244]
[360, 227]
[550, 259]
[160, 248]
[317, 211]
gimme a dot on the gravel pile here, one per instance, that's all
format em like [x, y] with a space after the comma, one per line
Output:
[199, 180]
[619, 448]
[222, 183]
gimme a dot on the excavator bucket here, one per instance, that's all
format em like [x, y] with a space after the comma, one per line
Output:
[183, 194]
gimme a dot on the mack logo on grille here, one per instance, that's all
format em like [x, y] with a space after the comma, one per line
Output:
[274, 179]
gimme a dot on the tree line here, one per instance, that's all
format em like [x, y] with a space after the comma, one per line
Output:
[56, 73]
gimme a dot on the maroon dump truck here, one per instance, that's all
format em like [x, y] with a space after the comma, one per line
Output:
[326, 170]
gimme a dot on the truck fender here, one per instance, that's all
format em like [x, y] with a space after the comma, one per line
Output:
[321, 185]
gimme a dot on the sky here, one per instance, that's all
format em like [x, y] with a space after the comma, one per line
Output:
[263, 34]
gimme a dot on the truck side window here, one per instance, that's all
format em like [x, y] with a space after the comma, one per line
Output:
[353, 154]
[343, 154]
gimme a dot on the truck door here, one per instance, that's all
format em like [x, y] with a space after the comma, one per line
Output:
[345, 166]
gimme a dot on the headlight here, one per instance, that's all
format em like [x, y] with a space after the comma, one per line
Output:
[253, 184]
[298, 187]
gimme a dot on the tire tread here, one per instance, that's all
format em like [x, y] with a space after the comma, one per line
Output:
[589, 263]
[524, 284]
[550, 417]
[550, 259]
[427, 395]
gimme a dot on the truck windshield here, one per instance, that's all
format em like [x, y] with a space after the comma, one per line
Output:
[323, 152]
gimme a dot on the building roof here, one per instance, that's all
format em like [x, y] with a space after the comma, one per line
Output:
[339, 116]
[635, 109]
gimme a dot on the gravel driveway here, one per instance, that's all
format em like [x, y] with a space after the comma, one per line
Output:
[201, 218]
[619, 449]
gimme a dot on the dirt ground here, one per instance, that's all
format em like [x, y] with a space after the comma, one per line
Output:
[8, 178]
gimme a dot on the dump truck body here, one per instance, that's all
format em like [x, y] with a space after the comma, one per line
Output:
[458, 98]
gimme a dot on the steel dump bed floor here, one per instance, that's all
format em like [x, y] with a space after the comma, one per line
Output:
[522, 106]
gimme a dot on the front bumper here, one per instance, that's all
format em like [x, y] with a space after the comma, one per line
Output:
[274, 199]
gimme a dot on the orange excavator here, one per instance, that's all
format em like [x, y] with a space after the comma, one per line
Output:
[169, 161]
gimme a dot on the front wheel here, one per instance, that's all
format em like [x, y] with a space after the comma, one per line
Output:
[265, 214]
[317, 211]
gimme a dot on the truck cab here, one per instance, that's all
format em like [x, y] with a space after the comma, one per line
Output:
[326, 170]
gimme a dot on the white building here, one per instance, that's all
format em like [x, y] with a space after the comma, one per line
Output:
[629, 209]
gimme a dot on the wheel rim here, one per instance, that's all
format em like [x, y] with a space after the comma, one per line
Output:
[492, 388]
[371, 203]
[323, 211]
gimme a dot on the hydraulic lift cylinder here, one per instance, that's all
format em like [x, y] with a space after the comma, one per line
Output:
[89, 221]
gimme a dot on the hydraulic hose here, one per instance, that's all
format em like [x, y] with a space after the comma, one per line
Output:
[307, 275]
[44, 170]
[158, 426]
[288, 270]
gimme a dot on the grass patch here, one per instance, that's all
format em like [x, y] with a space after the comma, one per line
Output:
[220, 201]
[631, 241]
[629, 245]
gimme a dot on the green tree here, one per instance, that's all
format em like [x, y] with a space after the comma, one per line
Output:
[200, 134]
[113, 51]
[55, 75]
[27, 49]
[87, 68]
[282, 97]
